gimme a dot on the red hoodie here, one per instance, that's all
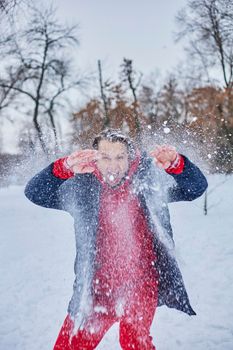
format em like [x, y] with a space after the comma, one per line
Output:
[124, 247]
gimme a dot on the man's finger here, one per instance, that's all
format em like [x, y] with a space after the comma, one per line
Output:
[84, 159]
[81, 156]
[164, 147]
[83, 153]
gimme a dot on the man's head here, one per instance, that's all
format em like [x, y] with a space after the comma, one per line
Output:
[116, 151]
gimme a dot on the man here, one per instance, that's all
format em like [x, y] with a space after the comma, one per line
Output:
[125, 265]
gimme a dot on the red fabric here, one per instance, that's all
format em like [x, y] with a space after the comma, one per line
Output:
[125, 287]
[60, 171]
[177, 166]
[124, 243]
[133, 328]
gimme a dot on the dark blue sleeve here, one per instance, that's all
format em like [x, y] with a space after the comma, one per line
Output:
[43, 188]
[190, 184]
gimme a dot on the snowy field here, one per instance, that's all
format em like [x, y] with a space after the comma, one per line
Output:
[36, 269]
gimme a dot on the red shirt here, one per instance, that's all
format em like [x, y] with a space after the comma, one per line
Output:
[124, 249]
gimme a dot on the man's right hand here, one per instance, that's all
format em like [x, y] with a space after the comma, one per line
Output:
[82, 161]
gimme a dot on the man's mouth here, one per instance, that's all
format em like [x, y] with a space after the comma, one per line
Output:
[113, 178]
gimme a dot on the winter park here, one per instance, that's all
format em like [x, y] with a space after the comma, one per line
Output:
[116, 185]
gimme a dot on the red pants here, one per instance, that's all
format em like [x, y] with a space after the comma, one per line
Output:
[135, 324]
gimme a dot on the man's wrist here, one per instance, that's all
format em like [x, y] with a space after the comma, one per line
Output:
[60, 169]
[176, 166]
[66, 164]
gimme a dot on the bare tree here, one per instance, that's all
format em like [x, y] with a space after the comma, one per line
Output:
[129, 76]
[39, 69]
[103, 86]
[171, 101]
[208, 26]
[8, 5]
[7, 96]
[149, 103]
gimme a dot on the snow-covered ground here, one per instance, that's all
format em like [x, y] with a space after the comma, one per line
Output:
[36, 274]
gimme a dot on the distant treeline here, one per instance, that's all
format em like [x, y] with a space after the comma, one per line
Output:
[191, 107]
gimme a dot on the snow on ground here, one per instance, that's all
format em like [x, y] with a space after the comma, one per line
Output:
[36, 269]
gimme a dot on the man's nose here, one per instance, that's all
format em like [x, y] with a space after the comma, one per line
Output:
[113, 167]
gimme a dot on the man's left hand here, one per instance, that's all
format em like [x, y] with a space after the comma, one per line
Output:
[164, 156]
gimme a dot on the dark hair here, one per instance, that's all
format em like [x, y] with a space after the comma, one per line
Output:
[115, 135]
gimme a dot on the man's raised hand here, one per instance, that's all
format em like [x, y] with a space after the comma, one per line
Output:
[164, 156]
[82, 161]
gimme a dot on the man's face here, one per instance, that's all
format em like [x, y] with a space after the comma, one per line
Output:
[113, 161]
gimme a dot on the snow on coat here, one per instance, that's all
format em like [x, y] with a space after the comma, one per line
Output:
[80, 196]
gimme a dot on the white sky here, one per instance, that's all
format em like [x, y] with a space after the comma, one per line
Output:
[135, 29]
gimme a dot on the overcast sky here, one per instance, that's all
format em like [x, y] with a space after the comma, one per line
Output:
[113, 29]
[135, 29]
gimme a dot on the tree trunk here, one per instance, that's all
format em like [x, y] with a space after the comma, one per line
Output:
[205, 203]
[103, 96]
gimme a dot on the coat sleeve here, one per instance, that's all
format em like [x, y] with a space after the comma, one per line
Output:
[189, 185]
[43, 189]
